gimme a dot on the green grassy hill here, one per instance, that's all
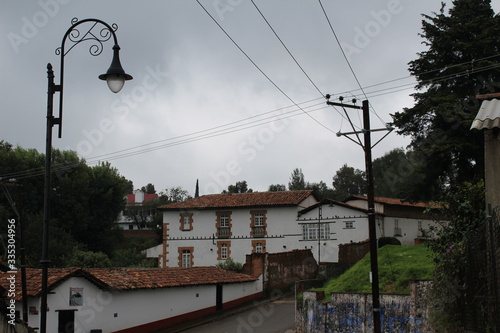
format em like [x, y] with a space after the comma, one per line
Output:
[397, 266]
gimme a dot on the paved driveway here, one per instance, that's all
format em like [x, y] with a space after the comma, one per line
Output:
[267, 317]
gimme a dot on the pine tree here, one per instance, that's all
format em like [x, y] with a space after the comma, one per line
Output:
[461, 61]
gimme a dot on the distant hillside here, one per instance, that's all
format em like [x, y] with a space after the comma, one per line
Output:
[397, 266]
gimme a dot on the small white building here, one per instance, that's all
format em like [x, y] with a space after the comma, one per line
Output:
[347, 222]
[214, 228]
[139, 300]
[408, 221]
[140, 213]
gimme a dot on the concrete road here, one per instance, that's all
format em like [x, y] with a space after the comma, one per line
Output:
[269, 317]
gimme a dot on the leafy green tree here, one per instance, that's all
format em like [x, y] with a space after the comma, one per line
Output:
[460, 62]
[321, 190]
[239, 187]
[297, 181]
[88, 259]
[454, 246]
[277, 187]
[85, 202]
[348, 181]
[177, 194]
[148, 189]
[396, 173]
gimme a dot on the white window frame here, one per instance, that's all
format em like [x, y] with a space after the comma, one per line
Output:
[258, 219]
[186, 258]
[224, 251]
[187, 222]
[310, 231]
[349, 225]
[224, 220]
[258, 248]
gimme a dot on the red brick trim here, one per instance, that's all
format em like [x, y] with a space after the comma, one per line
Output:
[252, 221]
[191, 249]
[181, 220]
[254, 245]
[219, 249]
[217, 222]
[164, 262]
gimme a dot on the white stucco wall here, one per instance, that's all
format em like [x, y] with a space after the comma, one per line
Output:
[337, 217]
[281, 229]
[409, 228]
[111, 311]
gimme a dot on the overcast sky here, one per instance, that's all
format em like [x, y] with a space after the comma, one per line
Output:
[201, 107]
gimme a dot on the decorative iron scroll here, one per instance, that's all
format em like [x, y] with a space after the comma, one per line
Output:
[97, 34]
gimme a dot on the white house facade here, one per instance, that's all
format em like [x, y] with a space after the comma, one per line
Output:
[141, 212]
[132, 299]
[337, 222]
[347, 222]
[410, 222]
[214, 228]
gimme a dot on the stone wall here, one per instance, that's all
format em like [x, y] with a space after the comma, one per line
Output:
[281, 270]
[352, 312]
[353, 252]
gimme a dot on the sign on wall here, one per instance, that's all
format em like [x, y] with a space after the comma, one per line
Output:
[76, 296]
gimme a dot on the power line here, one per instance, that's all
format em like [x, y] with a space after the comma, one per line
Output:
[286, 48]
[182, 139]
[190, 137]
[231, 127]
[259, 69]
[347, 60]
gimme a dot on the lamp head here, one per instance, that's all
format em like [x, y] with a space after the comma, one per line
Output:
[115, 76]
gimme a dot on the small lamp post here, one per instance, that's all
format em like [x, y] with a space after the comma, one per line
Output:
[98, 32]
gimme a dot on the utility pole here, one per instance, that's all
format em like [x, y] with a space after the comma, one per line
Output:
[367, 147]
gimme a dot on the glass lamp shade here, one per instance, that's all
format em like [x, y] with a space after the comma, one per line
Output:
[115, 82]
[115, 76]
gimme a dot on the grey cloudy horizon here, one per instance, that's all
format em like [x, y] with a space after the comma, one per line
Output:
[200, 108]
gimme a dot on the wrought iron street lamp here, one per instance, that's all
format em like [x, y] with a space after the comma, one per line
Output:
[98, 33]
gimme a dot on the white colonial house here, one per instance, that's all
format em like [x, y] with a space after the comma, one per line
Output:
[408, 221]
[128, 300]
[141, 212]
[214, 228]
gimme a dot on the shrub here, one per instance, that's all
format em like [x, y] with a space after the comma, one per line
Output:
[230, 264]
[388, 241]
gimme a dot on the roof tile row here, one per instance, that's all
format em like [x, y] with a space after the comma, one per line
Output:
[232, 200]
[126, 278]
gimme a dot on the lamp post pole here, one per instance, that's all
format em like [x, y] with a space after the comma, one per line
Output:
[97, 33]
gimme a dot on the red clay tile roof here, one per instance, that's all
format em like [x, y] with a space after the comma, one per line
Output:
[235, 200]
[147, 197]
[335, 203]
[390, 201]
[127, 278]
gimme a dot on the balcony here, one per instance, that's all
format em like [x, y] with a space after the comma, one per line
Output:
[259, 231]
[223, 232]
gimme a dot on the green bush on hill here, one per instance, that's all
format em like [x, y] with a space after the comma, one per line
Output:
[397, 265]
